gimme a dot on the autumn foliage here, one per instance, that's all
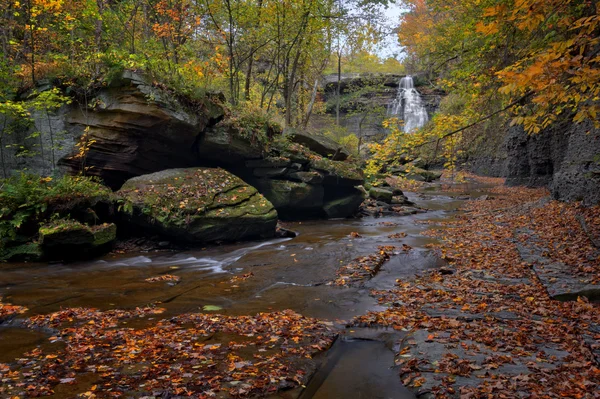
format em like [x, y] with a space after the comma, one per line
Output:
[489, 314]
[531, 62]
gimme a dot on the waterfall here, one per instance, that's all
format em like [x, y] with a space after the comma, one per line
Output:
[409, 106]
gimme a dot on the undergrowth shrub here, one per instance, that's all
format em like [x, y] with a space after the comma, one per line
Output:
[26, 200]
[254, 124]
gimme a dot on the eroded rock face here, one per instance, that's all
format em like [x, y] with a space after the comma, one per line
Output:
[197, 205]
[565, 158]
[135, 128]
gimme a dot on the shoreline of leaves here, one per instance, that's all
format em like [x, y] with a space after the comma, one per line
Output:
[494, 309]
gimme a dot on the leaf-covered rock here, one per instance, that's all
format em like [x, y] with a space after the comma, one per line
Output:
[197, 205]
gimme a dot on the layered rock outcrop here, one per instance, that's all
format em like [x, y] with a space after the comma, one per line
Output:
[565, 158]
[302, 184]
[135, 128]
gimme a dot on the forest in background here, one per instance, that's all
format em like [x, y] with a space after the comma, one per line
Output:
[264, 54]
[532, 63]
[527, 62]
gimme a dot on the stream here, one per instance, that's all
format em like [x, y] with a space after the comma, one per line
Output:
[286, 274]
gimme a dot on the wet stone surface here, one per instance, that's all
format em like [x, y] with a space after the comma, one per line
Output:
[561, 281]
[245, 279]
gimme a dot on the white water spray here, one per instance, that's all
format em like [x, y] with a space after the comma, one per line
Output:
[409, 106]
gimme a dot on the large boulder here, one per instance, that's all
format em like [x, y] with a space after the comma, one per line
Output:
[293, 200]
[135, 128]
[343, 206]
[321, 145]
[197, 205]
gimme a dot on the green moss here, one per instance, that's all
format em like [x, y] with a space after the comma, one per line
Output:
[179, 196]
[198, 205]
[60, 226]
[104, 233]
[345, 170]
[25, 252]
[255, 205]
[71, 232]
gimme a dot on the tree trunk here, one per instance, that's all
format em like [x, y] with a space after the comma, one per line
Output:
[98, 33]
[51, 140]
[337, 89]
[313, 98]
[2, 148]
[32, 34]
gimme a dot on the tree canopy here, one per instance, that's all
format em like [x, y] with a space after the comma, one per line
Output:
[493, 52]
[263, 51]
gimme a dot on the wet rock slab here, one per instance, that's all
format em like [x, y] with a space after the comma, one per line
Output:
[438, 356]
[561, 281]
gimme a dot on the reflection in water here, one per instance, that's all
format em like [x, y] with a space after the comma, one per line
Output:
[358, 369]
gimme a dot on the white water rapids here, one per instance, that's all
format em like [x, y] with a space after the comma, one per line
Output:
[408, 106]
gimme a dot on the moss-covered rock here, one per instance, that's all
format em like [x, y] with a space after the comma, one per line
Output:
[338, 173]
[294, 152]
[24, 252]
[104, 234]
[381, 194]
[197, 205]
[344, 206]
[70, 239]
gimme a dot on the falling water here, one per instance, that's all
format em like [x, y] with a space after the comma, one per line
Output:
[408, 104]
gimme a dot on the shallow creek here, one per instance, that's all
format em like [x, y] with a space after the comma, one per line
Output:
[287, 274]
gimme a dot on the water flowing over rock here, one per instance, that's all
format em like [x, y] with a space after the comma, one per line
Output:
[409, 106]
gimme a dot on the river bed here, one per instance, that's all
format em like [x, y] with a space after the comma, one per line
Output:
[285, 274]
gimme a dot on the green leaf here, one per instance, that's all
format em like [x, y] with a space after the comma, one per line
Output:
[211, 308]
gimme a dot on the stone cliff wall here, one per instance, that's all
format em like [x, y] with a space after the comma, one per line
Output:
[565, 158]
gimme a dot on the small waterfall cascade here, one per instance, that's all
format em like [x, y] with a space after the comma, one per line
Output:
[408, 105]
